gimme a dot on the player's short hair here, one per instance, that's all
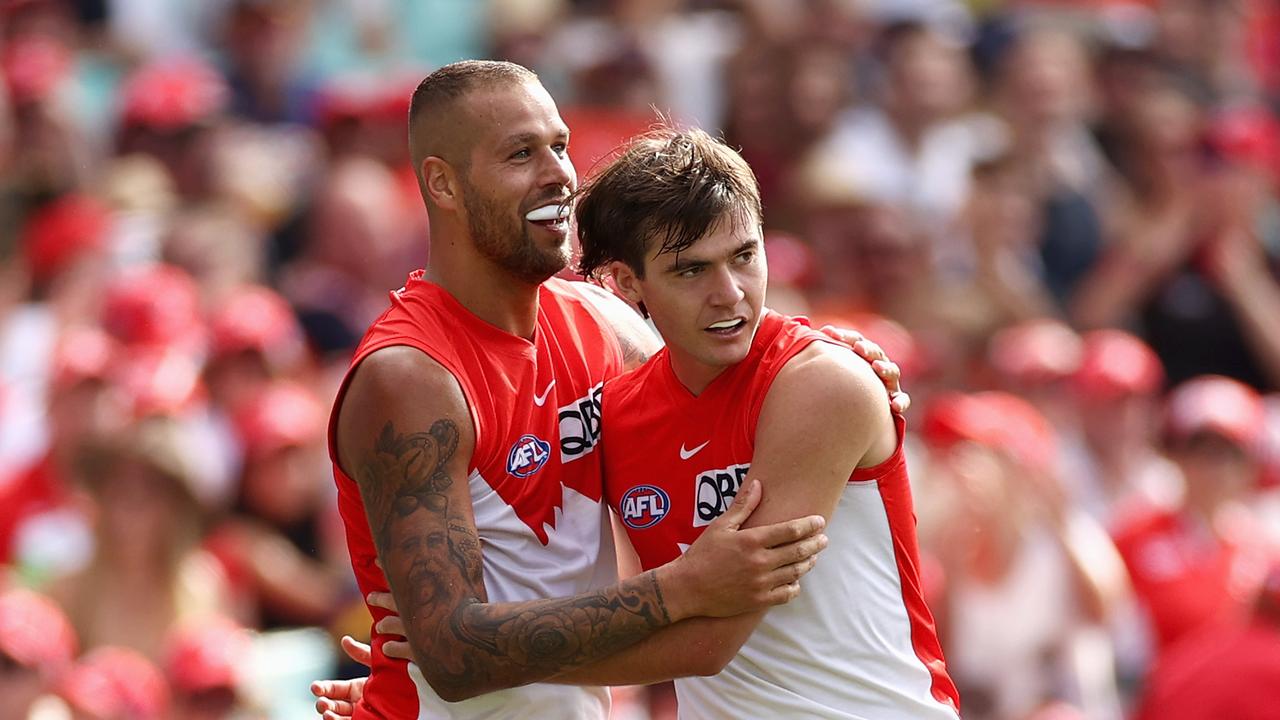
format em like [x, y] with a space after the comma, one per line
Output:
[452, 82]
[669, 187]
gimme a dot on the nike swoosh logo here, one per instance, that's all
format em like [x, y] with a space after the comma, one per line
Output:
[540, 399]
[686, 454]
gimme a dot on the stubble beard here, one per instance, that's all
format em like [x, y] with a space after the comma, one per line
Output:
[511, 248]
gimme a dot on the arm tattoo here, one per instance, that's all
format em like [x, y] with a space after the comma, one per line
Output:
[431, 554]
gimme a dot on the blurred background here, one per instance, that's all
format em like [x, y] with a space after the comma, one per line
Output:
[1059, 218]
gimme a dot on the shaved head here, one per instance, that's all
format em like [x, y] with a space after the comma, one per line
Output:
[439, 124]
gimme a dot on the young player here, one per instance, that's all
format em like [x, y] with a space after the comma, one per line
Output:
[742, 395]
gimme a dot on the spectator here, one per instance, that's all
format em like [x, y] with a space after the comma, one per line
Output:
[1194, 566]
[146, 572]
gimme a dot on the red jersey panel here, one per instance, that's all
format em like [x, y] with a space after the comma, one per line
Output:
[859, 642]
[534, 478]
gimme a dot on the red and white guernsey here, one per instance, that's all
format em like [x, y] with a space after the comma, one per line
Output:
[534, 478]
[859, 642]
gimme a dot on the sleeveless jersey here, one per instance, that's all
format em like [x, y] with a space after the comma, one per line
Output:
[534, 477]
[859, 641]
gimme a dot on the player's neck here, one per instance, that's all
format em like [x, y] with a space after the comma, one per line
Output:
[693, 374]
[490, 293]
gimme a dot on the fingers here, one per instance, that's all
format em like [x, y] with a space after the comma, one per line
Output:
[783, 594]
[788, 574]
[391, 625]
[869, 351]
[796, 552]
[384, 600]
[845, 335]
[743, 505]
[397, 649]
[334, 710]
[357, 650]
[900, 402]
[331, 689]
[786, 532]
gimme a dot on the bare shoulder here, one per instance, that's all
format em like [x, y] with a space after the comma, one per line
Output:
[402, 386]
[831, 383]
[638, 341]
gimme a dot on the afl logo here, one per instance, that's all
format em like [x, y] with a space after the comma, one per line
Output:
[528, 456]
[644, 506]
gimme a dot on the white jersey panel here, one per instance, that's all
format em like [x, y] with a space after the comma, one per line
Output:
[841, 650]
[578, 557]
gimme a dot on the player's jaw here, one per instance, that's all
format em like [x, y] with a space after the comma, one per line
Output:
[519, 239]
[707, 303]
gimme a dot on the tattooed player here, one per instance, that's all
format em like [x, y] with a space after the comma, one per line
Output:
[464, 438]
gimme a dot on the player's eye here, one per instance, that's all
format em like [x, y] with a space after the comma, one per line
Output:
[746, 257]
[690, 272]
[560, 149]
[520, 154]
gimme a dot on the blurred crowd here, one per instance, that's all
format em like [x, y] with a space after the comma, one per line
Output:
[1061, 218]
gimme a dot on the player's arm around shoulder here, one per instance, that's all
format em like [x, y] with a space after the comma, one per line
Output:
[825, 414]
[638, 341]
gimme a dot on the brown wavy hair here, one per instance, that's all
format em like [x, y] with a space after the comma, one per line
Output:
[668, 187]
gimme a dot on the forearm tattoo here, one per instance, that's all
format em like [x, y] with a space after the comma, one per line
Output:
[430, 552]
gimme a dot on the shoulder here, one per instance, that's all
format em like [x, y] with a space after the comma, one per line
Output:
[828, 391]
[398, 386]
[636, 340]
[824, 374]
[399, 370]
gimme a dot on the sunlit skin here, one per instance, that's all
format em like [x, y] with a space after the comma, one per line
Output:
[719, 278]
[518, 162]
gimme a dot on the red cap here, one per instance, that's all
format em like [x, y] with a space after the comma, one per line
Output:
[1116, 364]
[154, 306]
[115, 683]
[285, 415]
[34, 66]
[63, 231]
[35, 632]
[1035, 352]
[204, 655]
[1219, 405]
[174, 94]
[259, 319]
[159, 380]
[996, 420]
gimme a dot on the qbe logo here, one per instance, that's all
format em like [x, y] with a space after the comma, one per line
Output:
[714, 492]
[644, 506]
[580, 425]
[528, 456]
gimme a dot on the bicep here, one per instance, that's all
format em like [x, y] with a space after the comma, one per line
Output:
[405, 437]
[825, 415]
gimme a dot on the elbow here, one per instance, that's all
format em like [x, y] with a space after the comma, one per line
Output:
[708, 660]
[452, 690]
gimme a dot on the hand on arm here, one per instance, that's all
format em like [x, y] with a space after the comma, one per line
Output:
[885, 369]
[411, 472]
[824, 415]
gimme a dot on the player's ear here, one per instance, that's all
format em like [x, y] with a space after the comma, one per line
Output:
[440, 183]
[626, 280]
